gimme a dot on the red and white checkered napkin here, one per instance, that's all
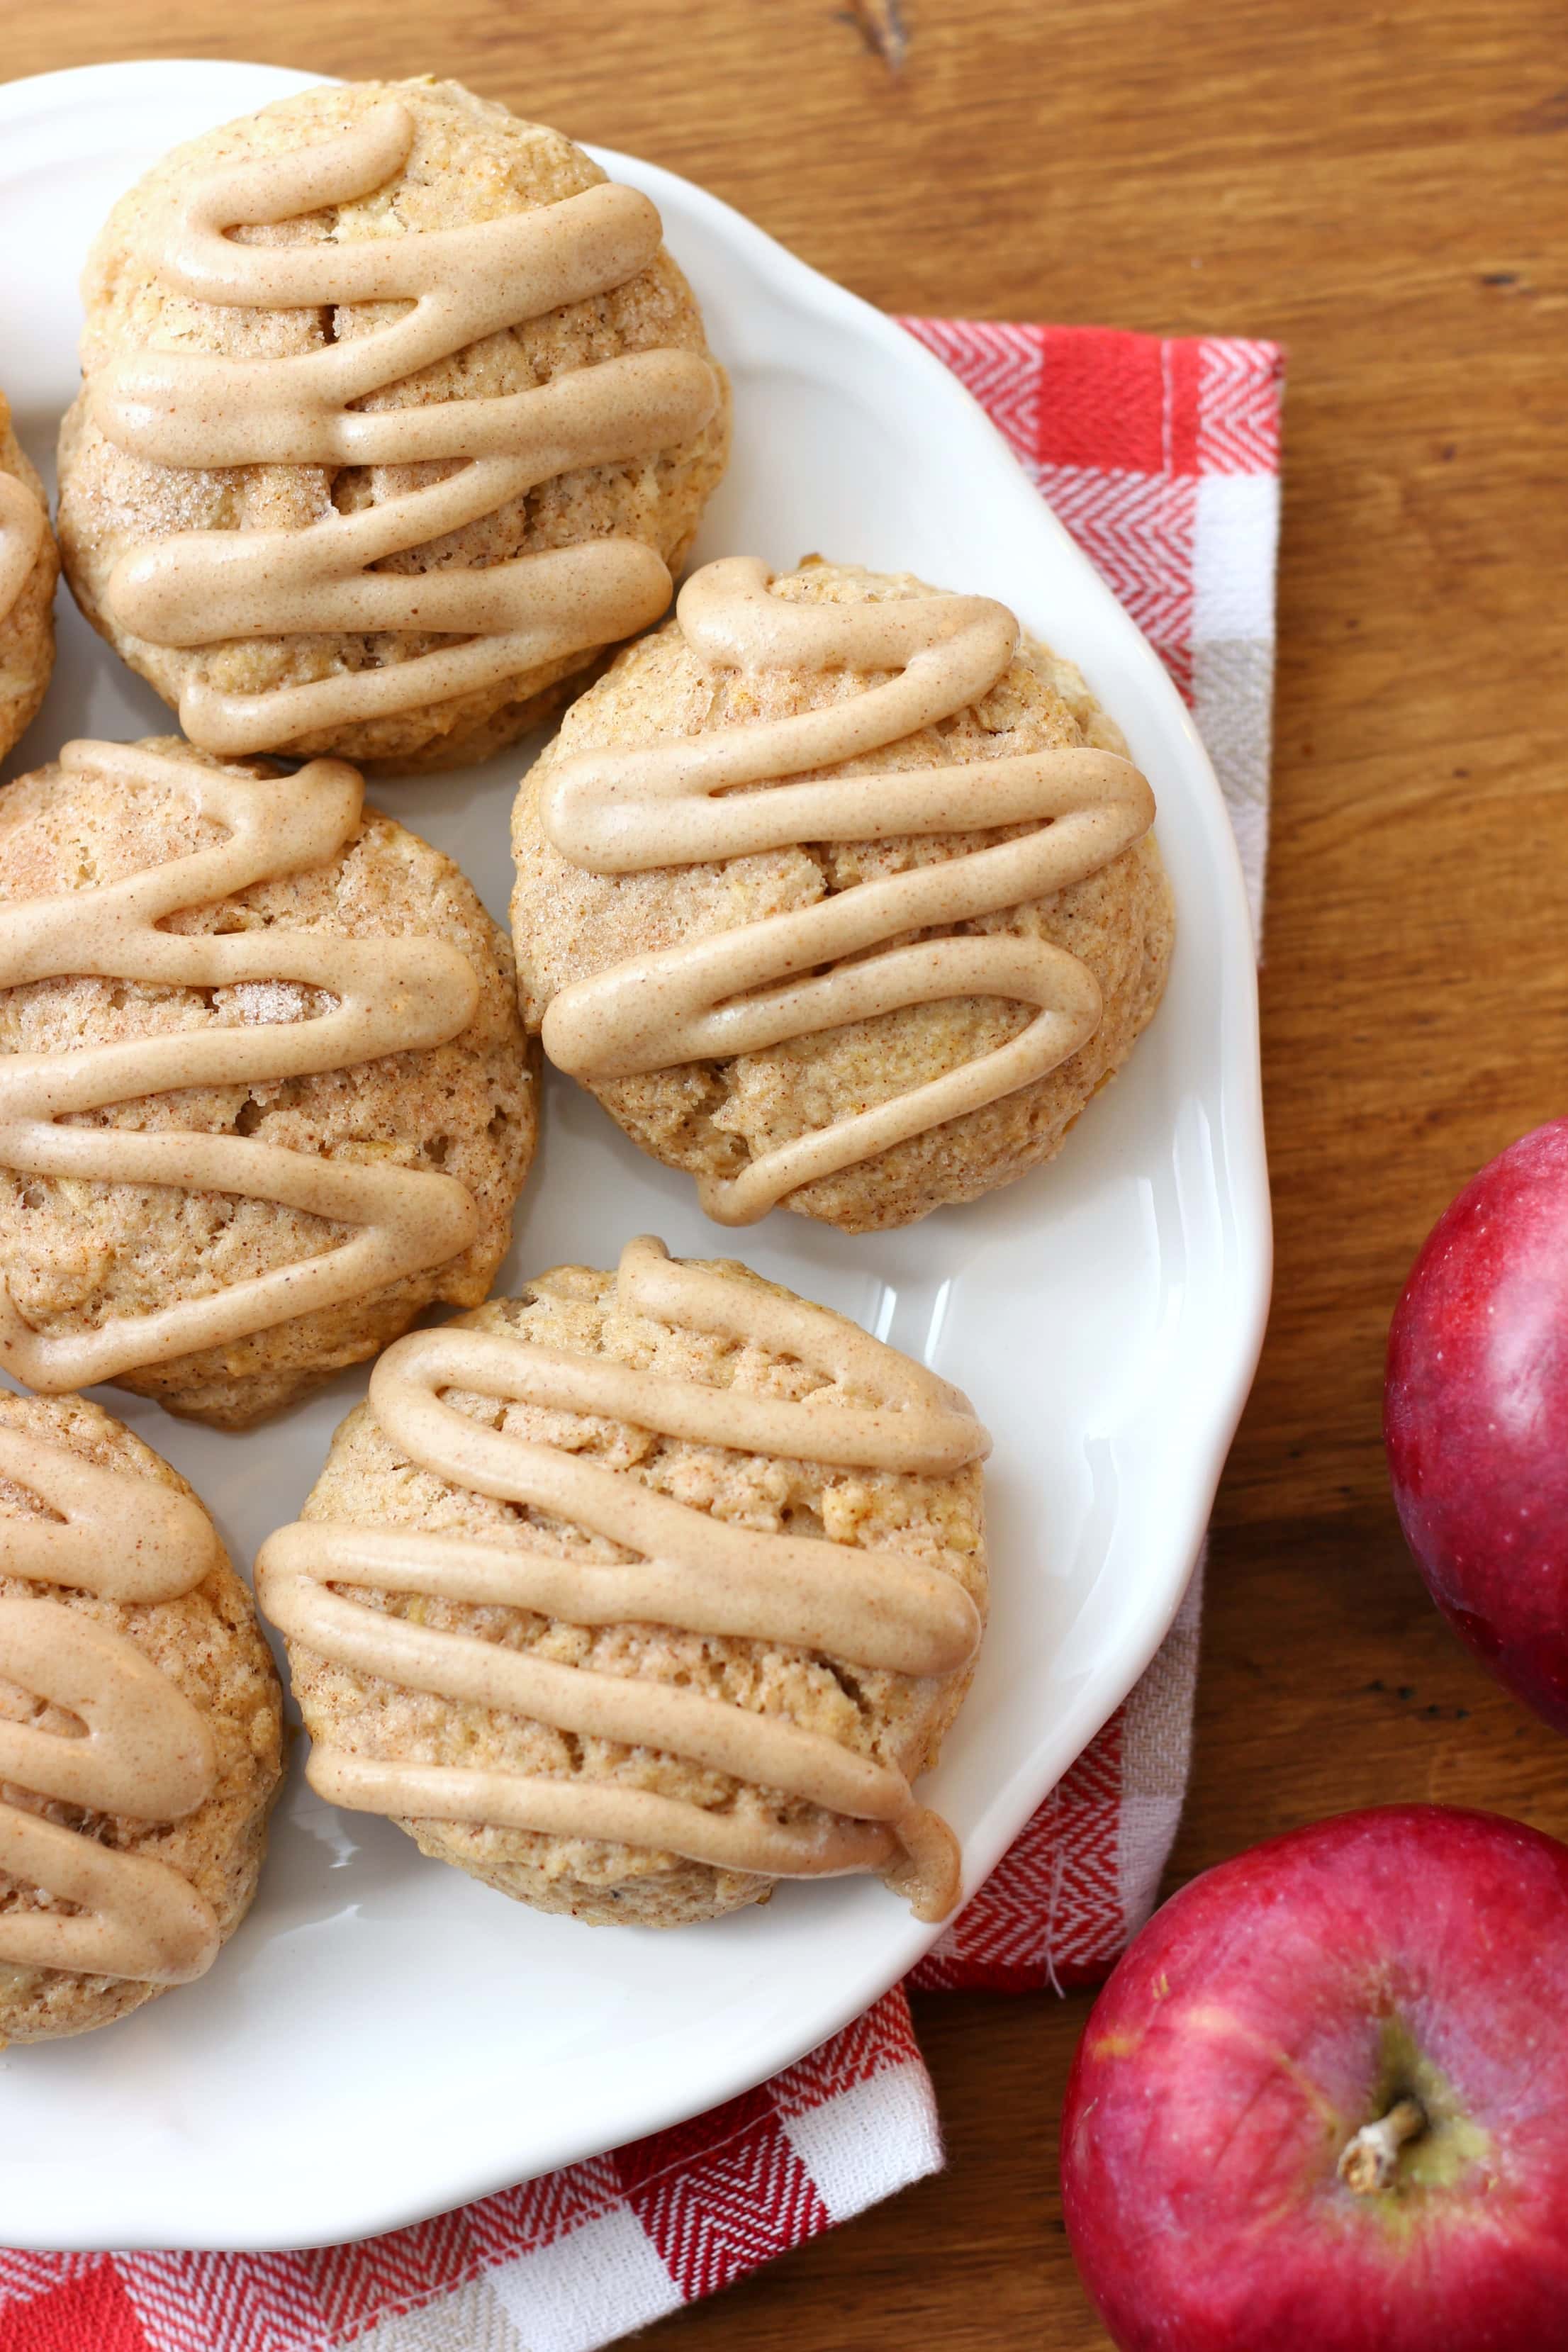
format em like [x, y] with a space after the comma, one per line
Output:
[1161, 457]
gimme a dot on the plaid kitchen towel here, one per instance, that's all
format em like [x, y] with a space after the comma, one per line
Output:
[1161, 457]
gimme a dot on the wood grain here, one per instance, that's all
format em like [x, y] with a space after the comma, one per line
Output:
[1386, 191]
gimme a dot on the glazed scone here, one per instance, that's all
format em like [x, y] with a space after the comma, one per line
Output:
[127, 1860]
[757, 914]
[637, 1593]
[30, 566]
[395, 413]
[264, 1094]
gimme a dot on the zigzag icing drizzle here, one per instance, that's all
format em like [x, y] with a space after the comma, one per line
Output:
[395, 995]
[147, 1752]
[739, 992]
[871, 1609]
[456, 285]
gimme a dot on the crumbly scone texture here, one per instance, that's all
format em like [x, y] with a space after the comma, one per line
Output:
[211, 1647]
[714, 1118]
[28, 629]
[896, 1719]
[471, 162]
[76, 1254]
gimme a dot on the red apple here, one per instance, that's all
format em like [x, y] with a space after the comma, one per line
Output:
[1384, 1996]
[1476, 1417]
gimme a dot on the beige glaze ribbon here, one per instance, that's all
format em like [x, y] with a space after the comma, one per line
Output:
[394, 995]
[22, 525]
[739, 992]
[453, 287]
[876, 1610]
[145, 1752]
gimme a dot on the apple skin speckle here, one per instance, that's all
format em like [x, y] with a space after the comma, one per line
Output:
[1476, 1417]
[1273, 2008]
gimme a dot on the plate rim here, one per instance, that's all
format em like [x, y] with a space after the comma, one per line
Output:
[1238, 1084]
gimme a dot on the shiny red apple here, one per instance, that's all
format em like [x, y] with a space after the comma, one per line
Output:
[1321, 2106]
[1476, 1418]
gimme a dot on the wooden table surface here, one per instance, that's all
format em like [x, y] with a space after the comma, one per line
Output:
[1385, 190]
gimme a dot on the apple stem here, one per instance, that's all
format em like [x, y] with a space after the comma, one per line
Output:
[1368, 2159]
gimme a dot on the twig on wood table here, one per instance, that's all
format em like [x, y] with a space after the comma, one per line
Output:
[880, 25]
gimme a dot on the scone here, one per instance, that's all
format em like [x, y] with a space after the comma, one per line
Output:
[640, 1592]
[893, 983]
[30, 566]
[129, 1855]
[395, 413]
[264, 1094]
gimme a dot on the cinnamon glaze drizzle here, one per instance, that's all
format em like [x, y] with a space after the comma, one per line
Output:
[394, 995]
[22, 524]
[457, 286]
[872, 1608]
[146, 1753]
[739, 992]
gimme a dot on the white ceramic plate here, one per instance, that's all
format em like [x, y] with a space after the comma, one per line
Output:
[385, 2038]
